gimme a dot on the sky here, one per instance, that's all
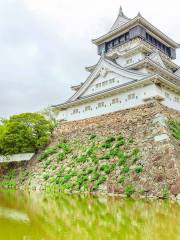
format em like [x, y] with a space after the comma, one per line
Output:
[45, 45]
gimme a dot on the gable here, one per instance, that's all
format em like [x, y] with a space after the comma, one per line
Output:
[178, 72]
[106, 70]
[157, 59]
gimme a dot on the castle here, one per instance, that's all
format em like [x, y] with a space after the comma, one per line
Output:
[135, 67]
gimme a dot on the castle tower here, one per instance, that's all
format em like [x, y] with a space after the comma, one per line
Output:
[135, 66]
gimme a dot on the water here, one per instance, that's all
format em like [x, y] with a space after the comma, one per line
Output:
[69, 217]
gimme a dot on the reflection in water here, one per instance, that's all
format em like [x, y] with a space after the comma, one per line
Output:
[66, 217]
[13, 214]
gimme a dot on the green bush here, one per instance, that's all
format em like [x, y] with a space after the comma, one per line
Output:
[138, 169]
[105, 156]
[65, 147]
[45, 176]
[125, 169]
[107, 168]
[165, 193]
[129, 190]
[121, 179]
[107, 145]
[93, 136]
[8, 183]
[61, 156]
[174, 126]
[11, 174]
[49, 151]
[22, 133]
[81, 159]
[101, 180]
[95, 176]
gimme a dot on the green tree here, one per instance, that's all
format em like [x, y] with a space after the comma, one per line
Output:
[26, 132]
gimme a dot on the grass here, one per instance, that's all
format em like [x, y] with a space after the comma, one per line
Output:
[7, 183]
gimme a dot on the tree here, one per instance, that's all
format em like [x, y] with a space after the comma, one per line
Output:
[26, 132]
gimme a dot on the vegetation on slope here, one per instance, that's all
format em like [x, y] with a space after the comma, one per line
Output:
[97, 164]
[175, 129]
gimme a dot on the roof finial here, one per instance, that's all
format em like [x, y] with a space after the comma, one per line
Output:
[121, 12]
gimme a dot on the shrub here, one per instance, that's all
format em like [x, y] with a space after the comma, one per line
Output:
[135, 155]
[121, 155]
[107, 168]
[89, 171]
[138, 169]
[135, 151]
[8, 183]
[49, 151]
[125, 169]
[46, 176]
[129, 190]
[120, 137]
[61, 156]
[107, 145]
[81, 159]
[95, 176]
[105, 156]
[101, 180]
[66, 148]
[175, 129]
[110, 140]
[93, 136]
[47, 163]
[121, 179]
[165, 193]
[81, 179]
[11, 174]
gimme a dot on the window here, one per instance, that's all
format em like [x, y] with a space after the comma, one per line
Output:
[98, 85]
[75, 111]
[129, 61]
[115, 100]
[111, 81]
[101, 104]
[88, 108]
[176, 99]
[167, 95]
[131, 96]
[104, 83]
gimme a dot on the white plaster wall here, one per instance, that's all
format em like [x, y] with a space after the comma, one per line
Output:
[171, 100]
[122, 61]
[140, 94]
[111, 75]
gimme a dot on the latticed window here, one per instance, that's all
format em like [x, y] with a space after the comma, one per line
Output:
[75, 111]
[115, 100]
[131, 96]
[176, 99]
[167, 95]
[87, 108]
[101, 104]
[112, 81]
[98, 85]
[105, 83]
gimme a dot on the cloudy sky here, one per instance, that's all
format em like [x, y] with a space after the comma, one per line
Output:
[46, 44]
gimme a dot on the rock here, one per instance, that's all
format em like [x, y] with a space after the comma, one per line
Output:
[175, 189]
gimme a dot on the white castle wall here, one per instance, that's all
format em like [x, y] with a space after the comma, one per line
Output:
[138, 98]
[172, 100]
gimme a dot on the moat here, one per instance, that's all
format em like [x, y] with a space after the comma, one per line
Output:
[38, 216]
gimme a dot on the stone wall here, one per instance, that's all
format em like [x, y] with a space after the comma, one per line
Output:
[147, 126]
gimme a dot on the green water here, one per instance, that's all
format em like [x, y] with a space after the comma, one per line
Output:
[38, 216]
